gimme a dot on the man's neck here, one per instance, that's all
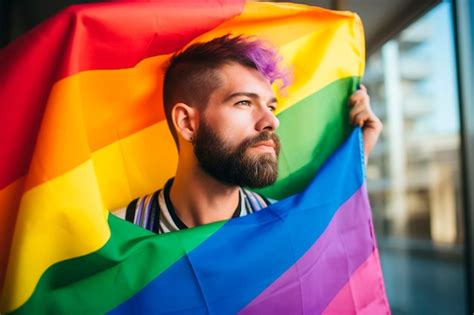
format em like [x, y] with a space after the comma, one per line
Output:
[200, 199]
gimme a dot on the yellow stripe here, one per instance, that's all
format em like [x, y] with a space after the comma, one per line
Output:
[10, 197]
[318, 61]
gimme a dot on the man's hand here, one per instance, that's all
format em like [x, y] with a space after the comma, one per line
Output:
[361, 114]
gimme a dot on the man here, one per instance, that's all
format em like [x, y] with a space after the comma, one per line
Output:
[219, 105]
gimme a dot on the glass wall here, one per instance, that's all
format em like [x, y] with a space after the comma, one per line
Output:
[414, 172]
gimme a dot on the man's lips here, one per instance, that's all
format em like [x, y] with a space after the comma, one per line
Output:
[267, 146]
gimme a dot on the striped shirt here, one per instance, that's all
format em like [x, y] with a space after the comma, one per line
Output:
[156, 213]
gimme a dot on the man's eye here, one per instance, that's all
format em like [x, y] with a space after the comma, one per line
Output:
[243, 102]
[272, 108]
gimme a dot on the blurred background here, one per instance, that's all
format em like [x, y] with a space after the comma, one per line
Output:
[419, 75]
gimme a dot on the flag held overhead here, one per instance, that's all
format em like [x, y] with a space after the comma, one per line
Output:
[85, 133]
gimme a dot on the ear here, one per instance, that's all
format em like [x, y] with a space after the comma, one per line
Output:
[185, 120]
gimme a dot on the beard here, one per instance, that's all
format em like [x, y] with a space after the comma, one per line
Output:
[234, 165]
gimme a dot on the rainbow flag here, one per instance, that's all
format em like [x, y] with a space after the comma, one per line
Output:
[84, 132]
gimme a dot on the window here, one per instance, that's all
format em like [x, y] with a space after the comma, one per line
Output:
[414, 172]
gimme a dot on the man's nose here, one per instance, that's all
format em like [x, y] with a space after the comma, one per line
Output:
[267, 121]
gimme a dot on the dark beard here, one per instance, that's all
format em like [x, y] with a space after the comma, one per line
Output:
[233, 165]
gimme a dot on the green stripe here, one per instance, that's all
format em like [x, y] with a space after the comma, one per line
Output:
[96, 283]
[310, 131]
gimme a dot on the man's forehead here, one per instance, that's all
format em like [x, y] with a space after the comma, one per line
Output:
[238, 79]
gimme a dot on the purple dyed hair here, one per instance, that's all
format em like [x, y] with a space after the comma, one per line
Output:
[266, 60]
[192, 75]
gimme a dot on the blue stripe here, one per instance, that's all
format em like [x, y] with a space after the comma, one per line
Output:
[247, 254]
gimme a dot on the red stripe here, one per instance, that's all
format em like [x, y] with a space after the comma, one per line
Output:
[88, 37]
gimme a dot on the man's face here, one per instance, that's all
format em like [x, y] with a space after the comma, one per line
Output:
[235, 140]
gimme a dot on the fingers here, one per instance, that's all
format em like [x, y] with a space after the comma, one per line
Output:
[357, 109]
[361, 113]
[360, 118]
[359, 96]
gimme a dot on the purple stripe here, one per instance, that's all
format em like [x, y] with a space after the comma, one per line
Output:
[316, 278]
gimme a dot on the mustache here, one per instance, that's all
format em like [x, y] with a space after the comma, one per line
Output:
[263, 136]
